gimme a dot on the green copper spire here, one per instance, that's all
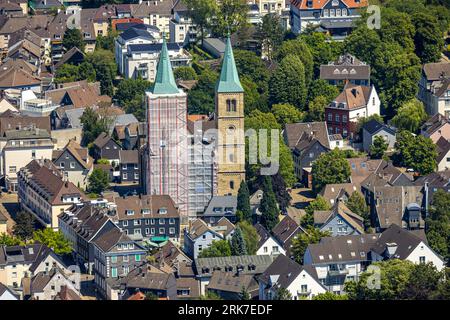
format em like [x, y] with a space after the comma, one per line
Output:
[229, 78]
[164, 81]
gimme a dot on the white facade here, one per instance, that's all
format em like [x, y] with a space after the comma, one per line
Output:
[424, 254]
[270, 247]
[372, 107]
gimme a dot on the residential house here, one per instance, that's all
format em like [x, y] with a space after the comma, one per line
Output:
[139, 34]
[267, 244]
[46, 285]
[346, 69]
[436, 127]
[154, 13]
[115, 254]
[398, 243]
[152, 217]
[336, 17]
[229, 285]
[244, 265]
[14, 77]
[81, 224]
[443, 151]
[75, 163]
[339, 221]
[43, 192]
[353, 103]
[73, 56]
[300, 281]
[336, 141]
[19, 147]
[372, 129]
[431, 183]
[130, 171]
[19, 262]
[7, 294]
[307, 142]
[140, 60]
[148, 279]
[199, 236]
[434, 90]
[106, 148]
[285, 231]
[336, 192]
[219, 207]
[10, 120]
[340, 259]
[182, 29]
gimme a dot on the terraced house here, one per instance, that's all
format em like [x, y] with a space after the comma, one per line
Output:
[43, 192]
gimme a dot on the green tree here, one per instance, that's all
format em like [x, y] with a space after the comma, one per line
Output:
[423, 283]
[98, 181]
[259, 120]
[7, 240]
[150, 296]
[185, 73]
[219, 248]
[437, 225]
[318, 204]
[93, 125]
[283, 294]
[130, 95]
[268, 206]
[106, 42]
[250, 236]
[416, 152]
[244, 294]
[357, 204]
[410, 116]
[428, 38]
[105, 69]
[301, 50]
[201, 12]
[250, 65]
[243, 202]
[238, 247]
[201, 97]
[67, 73]
[55, 240]
[317, 109]
[378, 147]
[287, 84]
[210, 296]
[231, 15]
[321, 88]
[330, 167]
[24, 226]
[73, 38]
[279, 187]
[86, 72]
[270, 34]
[287, 113]
[330, 296]
[301, 241]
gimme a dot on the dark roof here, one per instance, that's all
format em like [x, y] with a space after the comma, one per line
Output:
[4, 288]
[136, 32]
[285, 229]
[373, 126]
[232, 282]
[129, 156]
[148, 277]
[68, 55]
[102, 140]
[252, 264]
[293, 132]
[284, 270]
[152, 47]
[110, 238]
[434, 123]
[346, 67]
[442, 147]
[263, 234]
[67, 294]
[405, 240]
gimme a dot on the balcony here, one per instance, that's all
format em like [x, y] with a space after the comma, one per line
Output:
[337, 272]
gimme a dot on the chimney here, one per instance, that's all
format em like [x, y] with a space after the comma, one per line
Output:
[66, 184]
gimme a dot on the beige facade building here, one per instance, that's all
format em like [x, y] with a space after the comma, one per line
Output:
[230, 156]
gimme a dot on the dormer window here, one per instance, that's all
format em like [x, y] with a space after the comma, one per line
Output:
[162, 211]
[145, 211]
[130, 212]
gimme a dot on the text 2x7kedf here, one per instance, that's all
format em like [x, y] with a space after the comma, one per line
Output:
[226, 309]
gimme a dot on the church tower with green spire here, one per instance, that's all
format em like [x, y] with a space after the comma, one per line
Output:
[229, 100]
[166, 153]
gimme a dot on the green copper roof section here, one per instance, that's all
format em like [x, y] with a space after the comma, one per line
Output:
[229, 78]
[164, 81]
